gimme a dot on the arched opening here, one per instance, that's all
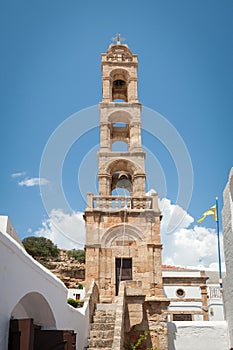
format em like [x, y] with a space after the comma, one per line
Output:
[33, 326]
[119, 146]
[120, 133]
[119, 85]
[119, 125]
[121, 192]
[121, 173]
[122, 182]
[34, 305]
[119, 90]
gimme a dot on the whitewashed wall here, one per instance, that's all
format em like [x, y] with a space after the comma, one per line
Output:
[227, 223]
[27, 289]
[190, 291]
[205, 335]
[73, 291]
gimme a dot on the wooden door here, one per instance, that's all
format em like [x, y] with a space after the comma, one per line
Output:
[123, 271]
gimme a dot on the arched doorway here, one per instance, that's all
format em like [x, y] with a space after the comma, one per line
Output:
[33, 326]
[34, 305]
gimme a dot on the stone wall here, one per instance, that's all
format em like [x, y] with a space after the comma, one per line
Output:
[70, 271]
[144, 314]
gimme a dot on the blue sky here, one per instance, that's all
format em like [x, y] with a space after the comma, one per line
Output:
[50, 69]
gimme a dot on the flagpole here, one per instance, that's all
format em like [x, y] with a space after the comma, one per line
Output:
[219, 253]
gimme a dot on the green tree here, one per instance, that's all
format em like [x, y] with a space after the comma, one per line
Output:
[77, 254]
[40, 246]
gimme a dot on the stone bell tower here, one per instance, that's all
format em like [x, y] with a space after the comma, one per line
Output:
[122, 232]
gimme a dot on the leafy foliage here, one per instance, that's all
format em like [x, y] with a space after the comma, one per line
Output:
[77, 254]
[40, 246]
[73, 302]
[141, 338]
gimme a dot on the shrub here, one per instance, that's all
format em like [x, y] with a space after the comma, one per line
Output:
[77, 254]
[73, 302]
[40, 246]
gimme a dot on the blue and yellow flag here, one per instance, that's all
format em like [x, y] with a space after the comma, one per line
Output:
[211, 211]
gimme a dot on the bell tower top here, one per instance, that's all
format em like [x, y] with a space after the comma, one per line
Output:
[118, 39]
[119, 73]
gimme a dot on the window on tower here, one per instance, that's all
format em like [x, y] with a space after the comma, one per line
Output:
[119, 90]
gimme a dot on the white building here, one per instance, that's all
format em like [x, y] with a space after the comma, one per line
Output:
[30, 291]
[76, 294]
[194, 295]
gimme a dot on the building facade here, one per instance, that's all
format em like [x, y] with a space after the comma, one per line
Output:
[187, 292]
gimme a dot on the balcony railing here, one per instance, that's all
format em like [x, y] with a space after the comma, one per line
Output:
[121, 202]
[215, 292]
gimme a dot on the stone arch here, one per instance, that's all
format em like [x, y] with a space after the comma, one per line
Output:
[120, 116]
[34, 305]
[122, 165]
[129, 232]
[120, 127]
[123, 173]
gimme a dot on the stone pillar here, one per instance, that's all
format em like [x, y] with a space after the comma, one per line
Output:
[139, 185]
[132, 90]
[106, 268]
[204, 302]
[104, 181]
[155, 204]
[92, 265]
[105, 143]
[135, 136]
[106, 90]
[90, 200]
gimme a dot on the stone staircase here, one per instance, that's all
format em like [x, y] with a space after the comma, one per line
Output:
[102, 328]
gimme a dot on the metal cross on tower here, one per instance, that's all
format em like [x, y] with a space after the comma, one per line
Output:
[118, 39]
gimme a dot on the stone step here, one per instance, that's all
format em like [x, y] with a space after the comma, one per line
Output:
[102, 326]
[104, 313]
[104, 319]
[102, 334]
[106, 307]
[100, 343]
[99, 348]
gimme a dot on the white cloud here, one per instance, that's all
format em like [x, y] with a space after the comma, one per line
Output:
[34, 181]
[174, 217]
[19, 174]
[65, 230]
[187, 246]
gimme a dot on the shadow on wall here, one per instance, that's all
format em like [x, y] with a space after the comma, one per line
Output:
[172, 330]
[34, 305]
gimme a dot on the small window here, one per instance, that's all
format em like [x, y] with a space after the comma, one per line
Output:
[182, 317]
[180, 293]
